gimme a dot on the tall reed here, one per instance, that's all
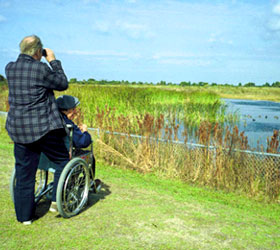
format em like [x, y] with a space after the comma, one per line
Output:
[190, 107]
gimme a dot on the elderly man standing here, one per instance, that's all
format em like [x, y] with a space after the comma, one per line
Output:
[34, 122]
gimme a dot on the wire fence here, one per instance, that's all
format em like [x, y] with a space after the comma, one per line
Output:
[254, 173]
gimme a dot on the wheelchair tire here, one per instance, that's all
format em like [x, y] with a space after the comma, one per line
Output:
[40, 183]
[73, 188]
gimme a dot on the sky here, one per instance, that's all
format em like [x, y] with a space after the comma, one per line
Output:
[214, 41]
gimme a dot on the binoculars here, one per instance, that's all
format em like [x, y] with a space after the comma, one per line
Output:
[44, 53]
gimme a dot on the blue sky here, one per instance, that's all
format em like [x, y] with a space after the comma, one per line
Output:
[221, 41]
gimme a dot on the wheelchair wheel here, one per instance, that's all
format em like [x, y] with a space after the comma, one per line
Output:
[73, 188]
[40, 183]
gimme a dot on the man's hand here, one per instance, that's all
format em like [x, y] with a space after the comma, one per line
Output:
[83, 127]
[50, 55]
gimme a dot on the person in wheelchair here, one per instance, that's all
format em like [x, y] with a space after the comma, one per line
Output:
[80, 136]
[67, 105]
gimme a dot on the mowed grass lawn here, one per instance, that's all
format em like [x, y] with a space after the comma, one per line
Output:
[135, 211]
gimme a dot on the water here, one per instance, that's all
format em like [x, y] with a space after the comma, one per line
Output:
[258, 119]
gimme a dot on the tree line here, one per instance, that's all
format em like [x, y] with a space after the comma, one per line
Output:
[164, 83]
[161, 83]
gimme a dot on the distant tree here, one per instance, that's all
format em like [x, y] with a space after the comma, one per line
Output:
[73, 80]
[161, 83]
[185, 84]
[214, 84]
[240, 84]
[266, 84]
[275, 84]
[114, 82]
[124, 82]
[249, 84]
[102, 82]
[227, 84]
[91, 80]
[203, 84]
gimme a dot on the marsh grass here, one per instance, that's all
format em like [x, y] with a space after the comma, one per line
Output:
[190, 107]
[219, 164]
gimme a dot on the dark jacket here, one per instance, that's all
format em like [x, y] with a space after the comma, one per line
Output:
[80, 139]
[33, 110]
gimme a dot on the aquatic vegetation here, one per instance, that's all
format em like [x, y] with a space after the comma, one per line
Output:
[191, 107]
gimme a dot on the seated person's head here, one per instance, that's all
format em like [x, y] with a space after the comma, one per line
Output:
[67, 104]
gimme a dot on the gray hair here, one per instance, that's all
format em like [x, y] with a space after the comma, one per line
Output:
[30, 45]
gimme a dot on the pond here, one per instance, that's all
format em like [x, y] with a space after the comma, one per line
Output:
[258, 119]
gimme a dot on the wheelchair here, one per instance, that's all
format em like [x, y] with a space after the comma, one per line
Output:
[75, 182]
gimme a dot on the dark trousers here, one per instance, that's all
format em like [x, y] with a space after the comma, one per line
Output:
[27, 157]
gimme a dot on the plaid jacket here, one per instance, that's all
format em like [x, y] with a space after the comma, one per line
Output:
[33, 110]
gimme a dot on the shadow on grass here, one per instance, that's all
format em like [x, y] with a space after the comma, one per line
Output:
[43, 206]
[101, 195]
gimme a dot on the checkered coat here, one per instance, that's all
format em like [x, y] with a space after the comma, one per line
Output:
[33, 111]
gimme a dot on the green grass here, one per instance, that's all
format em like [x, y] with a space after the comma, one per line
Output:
[135, 211]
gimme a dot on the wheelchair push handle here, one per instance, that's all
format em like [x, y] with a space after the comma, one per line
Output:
[69, 126]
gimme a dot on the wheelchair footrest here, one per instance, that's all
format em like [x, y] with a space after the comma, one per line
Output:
[95, 186]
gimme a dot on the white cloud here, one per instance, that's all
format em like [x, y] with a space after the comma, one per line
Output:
[103, 27]
[132, 30]
[218, 38]
[103, 54]
[276, 9]
[172, 55]
[176, 58]
[274, 22]
[94, 53]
